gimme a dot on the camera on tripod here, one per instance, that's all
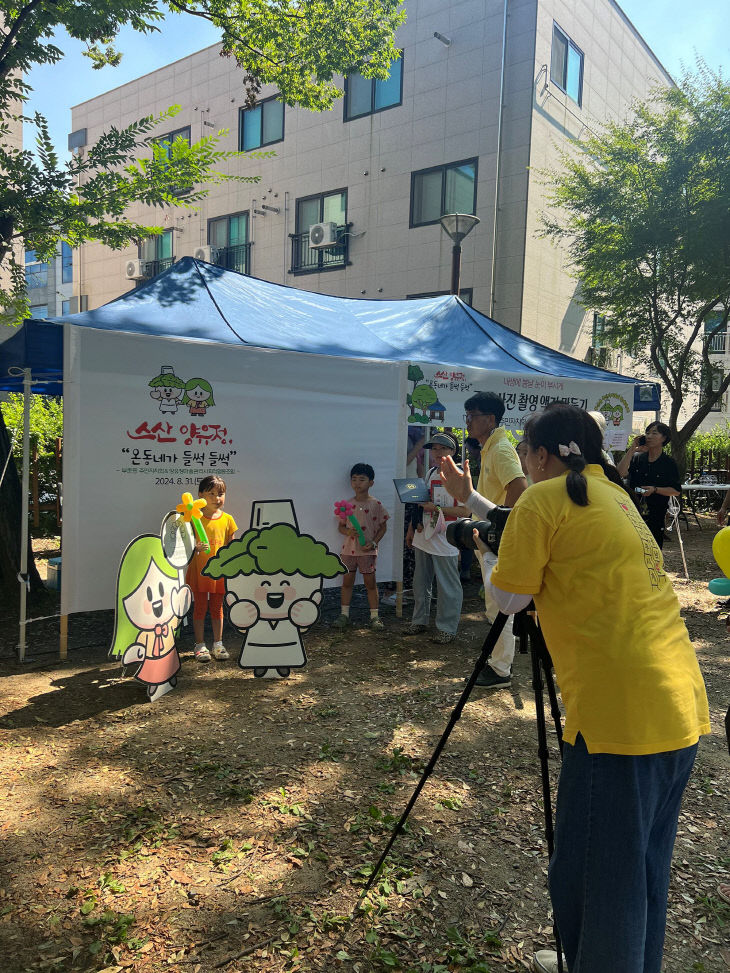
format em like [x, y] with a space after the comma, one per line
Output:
[460, 533]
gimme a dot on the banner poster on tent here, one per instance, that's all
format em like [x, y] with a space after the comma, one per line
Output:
[173, 431]
[273, 575]
[436, 396]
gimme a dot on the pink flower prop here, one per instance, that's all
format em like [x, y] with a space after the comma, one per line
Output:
[344, 509]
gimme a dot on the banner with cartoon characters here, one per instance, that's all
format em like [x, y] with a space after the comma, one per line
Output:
[436, 396]
[147, 418]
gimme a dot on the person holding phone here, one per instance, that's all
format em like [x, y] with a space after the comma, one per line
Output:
[653, 477]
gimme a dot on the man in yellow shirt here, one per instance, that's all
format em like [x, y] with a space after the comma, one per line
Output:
[502, 481]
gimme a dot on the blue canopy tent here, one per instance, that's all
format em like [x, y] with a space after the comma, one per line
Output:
[199, 301]
[194, 301]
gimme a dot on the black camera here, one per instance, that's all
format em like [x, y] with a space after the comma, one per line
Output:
[460, 533]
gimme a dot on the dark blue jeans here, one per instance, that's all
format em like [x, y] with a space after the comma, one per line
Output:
[615, 824]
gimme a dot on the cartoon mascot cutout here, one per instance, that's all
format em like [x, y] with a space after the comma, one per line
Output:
[274, 577]
[152, 598]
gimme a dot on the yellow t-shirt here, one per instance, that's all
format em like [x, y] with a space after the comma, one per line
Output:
[219, 532]
[627, 670]
[500, 466]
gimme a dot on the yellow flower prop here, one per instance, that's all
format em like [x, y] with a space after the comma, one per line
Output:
[192, 511]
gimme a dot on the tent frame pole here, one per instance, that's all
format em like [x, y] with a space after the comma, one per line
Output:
[25, 511]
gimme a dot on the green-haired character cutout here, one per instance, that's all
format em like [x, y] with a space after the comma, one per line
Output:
[198, 396]
[273, 592]
[149, 604]
[168, 388]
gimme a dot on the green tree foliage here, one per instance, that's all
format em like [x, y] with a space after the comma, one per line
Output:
[43, 200]
[46, 422]
[299, 45]
[644, 213]
[45, 427]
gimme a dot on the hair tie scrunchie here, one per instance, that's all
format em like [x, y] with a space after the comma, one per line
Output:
[572, 447]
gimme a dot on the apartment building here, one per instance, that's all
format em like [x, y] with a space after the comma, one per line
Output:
[50, 284]
[486, 95]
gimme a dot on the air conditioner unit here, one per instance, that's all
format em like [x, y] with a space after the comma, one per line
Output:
[322, 235]
[204, 253]
[135, 270]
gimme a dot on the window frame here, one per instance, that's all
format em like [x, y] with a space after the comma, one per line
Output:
[562, 85]
[444, 168]
[228, 217]
[321, 268]
[260, 104]
[229, 246]
[67, 263]
[169, 137]
[713, 332]
[346, 117]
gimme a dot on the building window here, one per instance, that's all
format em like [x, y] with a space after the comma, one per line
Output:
[39, 310]
[36, 272]
[166, 141]
[261, 125]
[465, 293]
[66, 307]
[365, 96]
[156, 252]
[711, 382]
[228, 239]
[443, 189]
[329, 208]
[67, 264]
[715, 333]
[566, 65]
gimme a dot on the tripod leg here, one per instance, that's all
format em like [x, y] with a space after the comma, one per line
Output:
[541, 663]
[681, 547]
[489, 642]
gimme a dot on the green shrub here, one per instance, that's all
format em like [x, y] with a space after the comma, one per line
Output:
[46, 426]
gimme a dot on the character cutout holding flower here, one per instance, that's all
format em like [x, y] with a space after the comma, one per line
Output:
[274, 579]
[151, 600]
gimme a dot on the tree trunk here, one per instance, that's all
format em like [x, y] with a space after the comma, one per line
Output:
[10, 504]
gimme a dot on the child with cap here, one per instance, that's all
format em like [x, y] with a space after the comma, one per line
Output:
[434, 555]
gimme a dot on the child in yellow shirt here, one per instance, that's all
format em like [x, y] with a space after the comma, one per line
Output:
[208, 593]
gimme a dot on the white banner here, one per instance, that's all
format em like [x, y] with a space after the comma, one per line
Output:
[146, 418]
[437, 393]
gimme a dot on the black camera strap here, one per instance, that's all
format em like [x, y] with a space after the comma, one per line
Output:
[489, 642]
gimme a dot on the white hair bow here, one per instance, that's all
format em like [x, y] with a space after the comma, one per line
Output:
[570, 448]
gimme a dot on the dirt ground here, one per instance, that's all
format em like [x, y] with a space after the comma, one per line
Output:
[232, 824]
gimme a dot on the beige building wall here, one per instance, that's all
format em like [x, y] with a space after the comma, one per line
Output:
[452, 97]
[618, 68]
[14, 139]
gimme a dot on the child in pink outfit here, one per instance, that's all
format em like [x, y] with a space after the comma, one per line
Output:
[373, 519]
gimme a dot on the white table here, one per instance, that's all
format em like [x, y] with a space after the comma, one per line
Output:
[690, 489]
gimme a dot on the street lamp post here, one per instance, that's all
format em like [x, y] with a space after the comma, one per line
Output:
[457, 226]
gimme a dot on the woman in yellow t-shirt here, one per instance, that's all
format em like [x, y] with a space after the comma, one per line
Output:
[634, 698]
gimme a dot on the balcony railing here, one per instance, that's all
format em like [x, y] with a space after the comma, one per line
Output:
[236, 258]
[154, 267]
[716, 343]
[307, 260]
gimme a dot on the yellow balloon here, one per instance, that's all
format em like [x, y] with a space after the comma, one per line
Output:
[721, 550]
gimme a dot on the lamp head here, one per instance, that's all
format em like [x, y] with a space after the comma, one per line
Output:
[458, 225]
